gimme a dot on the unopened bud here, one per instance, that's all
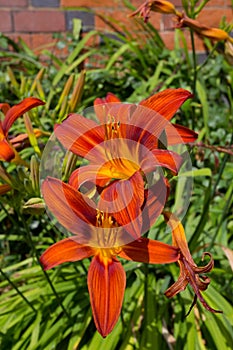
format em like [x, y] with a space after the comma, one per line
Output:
[34, 206]
[34, 175]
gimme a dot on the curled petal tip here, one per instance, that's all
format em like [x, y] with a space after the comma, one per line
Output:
[190, 273]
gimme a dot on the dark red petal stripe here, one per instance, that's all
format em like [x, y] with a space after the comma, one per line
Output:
[72, 209]
[63, 251]
[179, 134]
[106, 284]
[167, 102]
[149, 251]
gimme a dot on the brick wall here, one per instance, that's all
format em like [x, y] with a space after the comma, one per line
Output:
[35, 21]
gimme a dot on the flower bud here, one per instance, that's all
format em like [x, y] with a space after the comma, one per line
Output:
[161, 6]
[34, 206]
[199, 28]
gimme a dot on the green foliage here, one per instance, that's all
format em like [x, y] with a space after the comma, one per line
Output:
[44, 311]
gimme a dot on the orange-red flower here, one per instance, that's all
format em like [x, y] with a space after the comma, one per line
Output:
[166, 103]
[124, 148]
[103, 238]
[7, 151]
[190, 273]
[161, 6]
[201, 29]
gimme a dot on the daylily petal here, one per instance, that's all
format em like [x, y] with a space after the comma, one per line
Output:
[162, 158]
[123, 199]
[19, 139]
[2, 136]
[161, 6]
[106, 285]
[110, 97]
[22, 140]
[73, 210]
[121, 112]
[155, 199]
[4, 107]
[179, 285]
[167, 102]
[144, 123]
[7, 152]
[4, 188]
[149, 251]
[189, 271]
[143, 128]
[203, 30]
[80, 135]
[178, 235]
[63, 251]
[88, 173]
[111, 108]
[179, 240]
[17, 110]
[179, 134]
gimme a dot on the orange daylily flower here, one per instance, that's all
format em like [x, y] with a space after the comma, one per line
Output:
[161, 103]
[106, 276]
[190, 273]
[124, 148]
[201, 29]
[161, 6]
[7, 151]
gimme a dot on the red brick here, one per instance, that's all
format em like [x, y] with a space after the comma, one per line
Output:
[169, 41]
[137, 3]
[46, 41]
[168, 22]
[176, 2]
[93, 41]
[5, 22]
[198, 42]
[99, 22]
[25, 37]
[213, 17]
[209, 17]
[122, 18]
[38, 42]
[13, 3]
[168, 38]
[41, 41]
[116, 18]
[91, 3]
[217, 3]
[229, 3]
[156, 20]
[39, 21]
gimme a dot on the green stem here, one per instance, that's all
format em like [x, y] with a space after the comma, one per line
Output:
[44, 272]
[10, 217]
[207, 58]
[17, 290]
[203, 219]
[209, 197]
[223, 216]
[194, 74]
[146, 293]
[226, 156]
